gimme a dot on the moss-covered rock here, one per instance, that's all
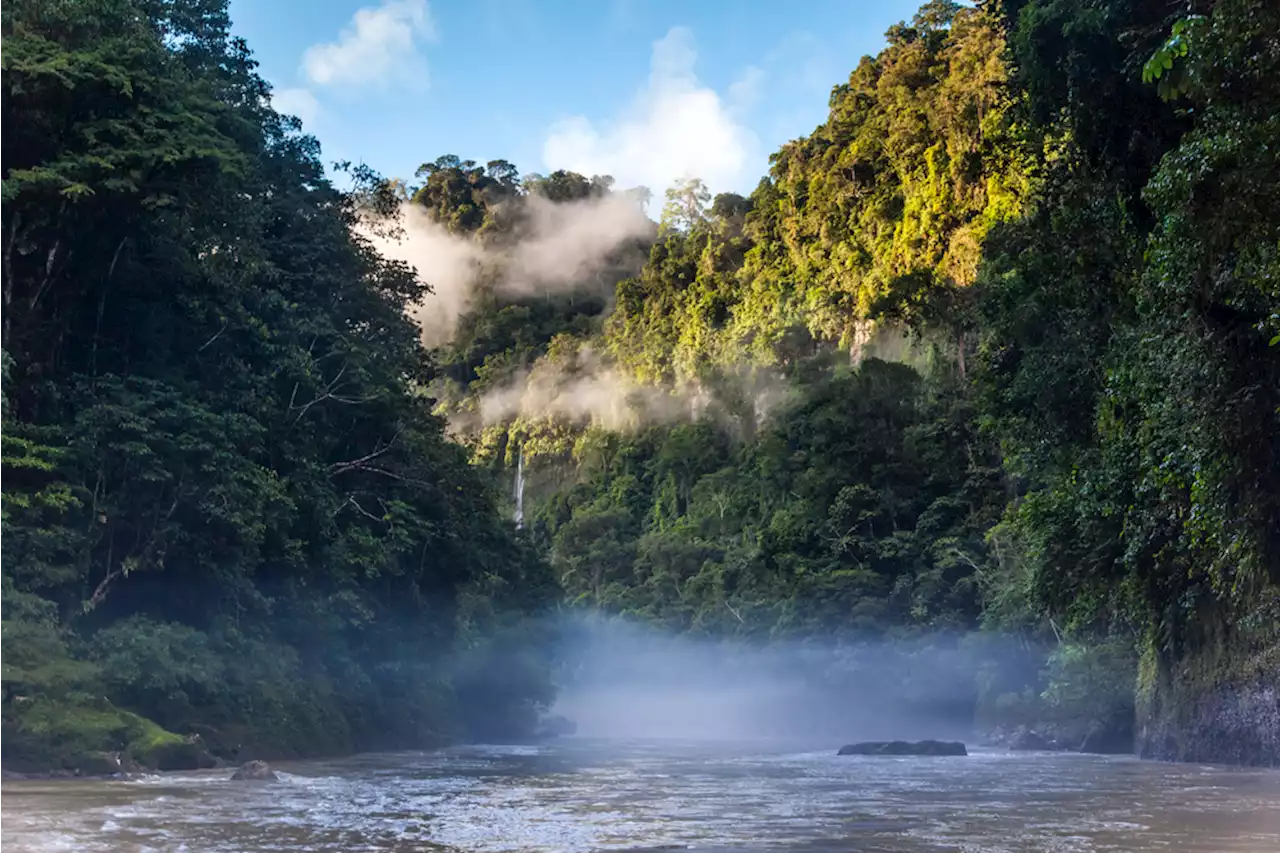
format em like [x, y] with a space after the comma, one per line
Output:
[170, 754]
[93, 737]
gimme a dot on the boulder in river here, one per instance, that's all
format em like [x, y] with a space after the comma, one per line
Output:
[555, 726]
[255, 771]
[903, 747]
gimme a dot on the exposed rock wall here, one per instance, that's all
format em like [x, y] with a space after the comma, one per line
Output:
[1220, 702]
[1228, 723]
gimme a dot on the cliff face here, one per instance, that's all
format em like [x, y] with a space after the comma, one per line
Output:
[1220, 702]
[1226, 723]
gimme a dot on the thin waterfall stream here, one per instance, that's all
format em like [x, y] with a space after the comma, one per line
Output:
[519, 490]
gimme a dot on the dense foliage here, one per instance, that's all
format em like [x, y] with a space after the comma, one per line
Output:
[1067, 209]
[227, 504]
[859, 504]
[858, 511]
[995, 350]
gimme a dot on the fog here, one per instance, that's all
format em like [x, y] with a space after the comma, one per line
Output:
[586, 388]
[553, 248]
[623, 680]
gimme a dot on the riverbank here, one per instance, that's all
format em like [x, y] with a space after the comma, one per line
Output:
[51, 738]
[48, 740]
[66, 739]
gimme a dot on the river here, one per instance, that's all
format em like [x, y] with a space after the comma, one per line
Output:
[584, 795]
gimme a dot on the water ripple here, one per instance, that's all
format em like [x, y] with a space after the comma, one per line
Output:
[582, 796]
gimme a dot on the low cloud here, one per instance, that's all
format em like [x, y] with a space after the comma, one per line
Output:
[674, 128]
[379, 46]
[450, 265]
[586, 388]
[556, 248]
[562, 244]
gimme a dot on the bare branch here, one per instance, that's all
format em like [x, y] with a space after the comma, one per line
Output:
[374, 469]
[339, 467]
[351, 499]
[734, 612]
[111, 270]
[962, 555]
[144, 553]
[48, 274]
[216, 335]
[327, 394]
[100, 592]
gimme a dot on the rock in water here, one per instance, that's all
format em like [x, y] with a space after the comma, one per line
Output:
[555, 726]
[902, 747]
[255, 771]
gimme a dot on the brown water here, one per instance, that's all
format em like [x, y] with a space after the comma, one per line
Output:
[581, 795]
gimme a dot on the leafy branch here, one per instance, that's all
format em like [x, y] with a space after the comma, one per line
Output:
[1173, 78]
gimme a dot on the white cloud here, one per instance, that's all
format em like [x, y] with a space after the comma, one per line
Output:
[673, 128]
[380, 45]
[296, 102]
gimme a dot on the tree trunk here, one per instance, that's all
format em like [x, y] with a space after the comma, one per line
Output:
[10, 242]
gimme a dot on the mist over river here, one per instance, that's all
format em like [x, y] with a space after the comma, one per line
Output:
[583, 794]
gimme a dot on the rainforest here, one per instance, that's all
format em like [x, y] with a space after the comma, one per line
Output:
[304, 460]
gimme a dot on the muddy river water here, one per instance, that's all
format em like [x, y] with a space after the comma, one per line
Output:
[584, 795]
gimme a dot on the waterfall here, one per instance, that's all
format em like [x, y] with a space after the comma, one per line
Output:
[520, 491]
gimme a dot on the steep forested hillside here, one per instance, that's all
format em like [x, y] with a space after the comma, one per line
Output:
[821, 492]
[228, 509]
[1054, 222]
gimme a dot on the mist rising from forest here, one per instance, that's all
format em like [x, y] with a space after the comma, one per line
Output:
[586, 387]
[624, 680]
[553, 248]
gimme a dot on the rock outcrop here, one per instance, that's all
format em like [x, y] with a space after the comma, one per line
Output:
[1227, 723]
[1027, 739]
[902, 747]
[255, 771]
[1218, 700]
[555, 726]
[1110, 737]
[99, 764]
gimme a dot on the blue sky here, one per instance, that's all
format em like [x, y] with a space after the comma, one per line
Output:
[645, 90]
